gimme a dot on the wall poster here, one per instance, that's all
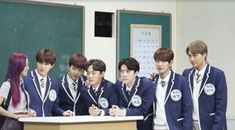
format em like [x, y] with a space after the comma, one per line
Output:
[145, 40]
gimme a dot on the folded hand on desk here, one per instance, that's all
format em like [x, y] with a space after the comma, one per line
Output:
[32, 113]
[29, 113]
[116, 111]
[94, 110]
[68, 113]
[21, 115]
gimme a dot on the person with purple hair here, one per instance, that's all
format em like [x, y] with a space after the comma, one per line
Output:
[13, 97]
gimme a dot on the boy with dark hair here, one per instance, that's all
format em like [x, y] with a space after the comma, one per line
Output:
[101, 94]
[70, 102]
[135, 94]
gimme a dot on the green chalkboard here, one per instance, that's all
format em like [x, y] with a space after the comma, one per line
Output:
[124, 20]
[30, 26]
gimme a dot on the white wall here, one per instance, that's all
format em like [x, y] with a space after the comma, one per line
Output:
[212, 21]
[105, 48]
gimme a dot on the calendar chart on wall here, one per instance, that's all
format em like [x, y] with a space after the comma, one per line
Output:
[139, 35]
[145, 40]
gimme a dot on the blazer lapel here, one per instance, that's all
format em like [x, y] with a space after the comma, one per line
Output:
[190, 80]
[134, 89]
[48, 87]
[155, 86]
[36, 83]
[65, 86]
[91, 95]
[205, 78]
[170, 86]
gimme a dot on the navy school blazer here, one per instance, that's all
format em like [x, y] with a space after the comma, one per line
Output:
[178, 103]
[42, 106]
[140, 101]
[65, 100]
[106, 96]
[212, 101]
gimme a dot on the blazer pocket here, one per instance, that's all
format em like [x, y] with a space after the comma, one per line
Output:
[212, 114]
[180, 119]
[145, 118]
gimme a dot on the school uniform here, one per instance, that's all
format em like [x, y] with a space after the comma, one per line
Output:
[176, 103]
[212, 98]
[104, 97]
[21, 108]
[138, 102]
[70, 98]
[42, 100]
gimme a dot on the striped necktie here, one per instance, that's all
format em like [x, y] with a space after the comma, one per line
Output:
[198, 79]
[42, 82]
[163, 83]
[95, 90]
[74, 86]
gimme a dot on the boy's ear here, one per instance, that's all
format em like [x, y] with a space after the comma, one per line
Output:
[103, 73]
[52, 66]
[136, 73]
[171, 63]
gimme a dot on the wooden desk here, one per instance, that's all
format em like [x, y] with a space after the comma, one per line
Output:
[81, 123]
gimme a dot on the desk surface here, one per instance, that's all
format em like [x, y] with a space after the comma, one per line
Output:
[77, 119]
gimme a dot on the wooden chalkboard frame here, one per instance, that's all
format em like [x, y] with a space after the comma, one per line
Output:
[62, 59]
[127, 17]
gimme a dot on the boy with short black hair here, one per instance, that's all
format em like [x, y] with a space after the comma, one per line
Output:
[135, 93]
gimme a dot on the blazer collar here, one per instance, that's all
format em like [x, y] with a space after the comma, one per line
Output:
[204, 80]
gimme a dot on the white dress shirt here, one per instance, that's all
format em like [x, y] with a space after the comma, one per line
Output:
[197, 81]
[42, 87]
[72, 88]
[160, 118]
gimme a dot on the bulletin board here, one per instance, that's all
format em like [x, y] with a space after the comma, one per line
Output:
[139, 34]
[27, 26]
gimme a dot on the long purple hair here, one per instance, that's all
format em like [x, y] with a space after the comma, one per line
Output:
[16, 65]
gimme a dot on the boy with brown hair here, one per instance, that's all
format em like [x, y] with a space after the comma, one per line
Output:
[41, 88]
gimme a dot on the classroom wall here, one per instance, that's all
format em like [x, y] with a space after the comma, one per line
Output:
[105, 48]
[213, 22]
[209, 20]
